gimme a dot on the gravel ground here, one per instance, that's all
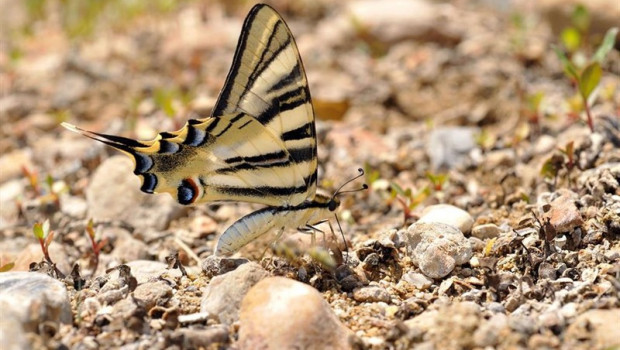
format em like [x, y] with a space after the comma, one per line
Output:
[492, 218]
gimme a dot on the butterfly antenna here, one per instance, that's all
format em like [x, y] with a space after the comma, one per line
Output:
[364, 186]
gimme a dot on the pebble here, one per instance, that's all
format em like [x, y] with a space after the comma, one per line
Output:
[544, 144]
[417, 280]
[499, 158]
[437, 248]
[594, 329]
[280, 313]
[371, 294]
[399, 19]
[223, 295]
[564, 215]
[489, 333]
[11, 164]
[459, 320]
[486, 231]
[202, 338]
[153, 293]
[114, 194]
[146, 270]
[28, 300]
[448, 214]
[449, 147]
[128, 248]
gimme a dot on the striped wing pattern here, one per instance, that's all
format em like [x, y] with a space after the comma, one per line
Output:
[267, 80]
[259, 144]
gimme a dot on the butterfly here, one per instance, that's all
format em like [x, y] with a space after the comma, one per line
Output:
[259, 144]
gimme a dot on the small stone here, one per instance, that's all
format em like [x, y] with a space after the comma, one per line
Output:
[215, 265]
[544, 144]
[202, 338]
[280, 313]
[12, 163]
[371, 294]
[153, 293]
[74, 206]
[29, 300]
[564, 215]
[500, 158]
[486, 231]
[448, 214]
[450, 147]
[437, 248]
[400, 19]
[418, 280]
[128, 248]
[146, 270]
[594, 329]
[490, 333]
[224, 294]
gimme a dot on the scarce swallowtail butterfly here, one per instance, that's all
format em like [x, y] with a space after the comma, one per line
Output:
[258, 146]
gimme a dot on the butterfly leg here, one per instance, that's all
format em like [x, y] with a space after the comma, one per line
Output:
[312, 229]
[273, 242]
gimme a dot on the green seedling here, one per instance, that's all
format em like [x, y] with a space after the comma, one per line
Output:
[534, 102]
[574, 36]
[45, 236]
[563, 160]
[588, 78]
[407, 199]
[437, 180]
[96, 244]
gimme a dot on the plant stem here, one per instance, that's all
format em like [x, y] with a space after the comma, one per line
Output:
[588, 113]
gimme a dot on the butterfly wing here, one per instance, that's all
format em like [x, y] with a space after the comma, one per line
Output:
[258, 146]
[267, 81]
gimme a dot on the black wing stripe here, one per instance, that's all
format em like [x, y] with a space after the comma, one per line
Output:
[300, 133]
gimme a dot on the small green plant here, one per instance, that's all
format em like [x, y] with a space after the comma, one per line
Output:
[52, 192]
[96, 244]
[588, 77]
[45, 235]
[534, 102]
[574, 36]
[558, 161]
[437, 180]
[407, 199]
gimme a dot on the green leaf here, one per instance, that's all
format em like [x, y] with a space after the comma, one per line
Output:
[569, 68]
[571, 38]
[607, 45]
[399, 190]
[581, 18]
[590, 77]
[37, 229]
[534, 101]
[548, 169]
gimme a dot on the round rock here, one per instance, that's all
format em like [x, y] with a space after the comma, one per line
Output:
[223, 295]
[279, 313]
[486, 231]
[448, 214]
[27, 300]
[437, 248]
